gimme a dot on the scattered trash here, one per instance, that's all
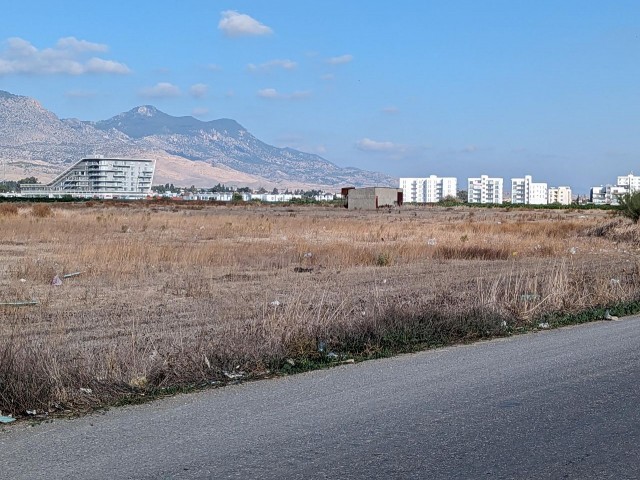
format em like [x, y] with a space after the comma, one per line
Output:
[573, 250]
[349, 360]
[275, 303]
[57, 281]
[22, 280]
[615, 281]
[431, 241]
[321, 346]
[86, 390]
[544, 325]
[290, 361]
[233, 375]
[504, 324]
[608, 316]
[384, 281]
[207, 362]
[23, 303]
[528, 297]
[69, 275]
[302, 270]
[31, 412]
[308, 255]
[4, 419]
[332, 355]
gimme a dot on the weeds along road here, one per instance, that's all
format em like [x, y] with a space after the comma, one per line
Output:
[555, 404]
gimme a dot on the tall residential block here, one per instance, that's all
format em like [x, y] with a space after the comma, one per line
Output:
[631, 182]
[485, 189]
[99, 177]
[430, 189]
[524, 190]
[561, 195]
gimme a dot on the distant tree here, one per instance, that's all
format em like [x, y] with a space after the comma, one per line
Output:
[262, 190]
[28, 180]
[8, 186]
[629, 205]
[236, 197]
[462, 195]
[243, 189]
[449, 201]
[275, 191]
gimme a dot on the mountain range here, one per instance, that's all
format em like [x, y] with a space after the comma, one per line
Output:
[188, 151]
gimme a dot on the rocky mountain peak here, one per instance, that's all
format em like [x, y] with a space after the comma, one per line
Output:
[31, 132]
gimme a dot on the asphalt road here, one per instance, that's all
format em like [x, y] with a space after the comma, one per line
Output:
[556, 404]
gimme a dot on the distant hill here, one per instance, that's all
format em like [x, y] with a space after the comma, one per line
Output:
[187, 150]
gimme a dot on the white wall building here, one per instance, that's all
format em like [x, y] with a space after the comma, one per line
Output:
[561, 195]
[99, 177]
[608, 194]
[524, 190]
[485, 189]
[631, 182]
[430, 189]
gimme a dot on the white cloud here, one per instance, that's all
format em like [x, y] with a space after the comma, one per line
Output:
[272, 93]
[160, 90]
[234, 24]
[341, 60]
[327, 77]
[212, 67]
[272, 64]
[68, 57]
[368, 145]
[72, 43]
[99, 65]
[198, 90]
[390, 109]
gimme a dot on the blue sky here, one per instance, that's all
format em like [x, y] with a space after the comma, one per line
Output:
[410, 88]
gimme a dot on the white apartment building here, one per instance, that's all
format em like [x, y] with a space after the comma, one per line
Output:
[631, 182]
[430, 189]
[524, 190]
[485, 189]
[99, 177]
[561, 195]
[608, 194]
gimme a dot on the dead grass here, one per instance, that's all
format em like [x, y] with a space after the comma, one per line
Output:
[171, 295]
[8, 209]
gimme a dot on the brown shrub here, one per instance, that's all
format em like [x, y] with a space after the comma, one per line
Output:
[41, 210]
[470, 252]
[7, 209]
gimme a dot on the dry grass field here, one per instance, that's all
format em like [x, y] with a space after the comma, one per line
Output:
[173, 294]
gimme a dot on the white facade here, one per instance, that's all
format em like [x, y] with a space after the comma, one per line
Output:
[99, 177]
[608, 194]
[524, 190]
[561, 195]
[430, 189]
[631, 182]
[485, 189]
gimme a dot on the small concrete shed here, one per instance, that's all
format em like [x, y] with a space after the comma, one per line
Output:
[371, 198]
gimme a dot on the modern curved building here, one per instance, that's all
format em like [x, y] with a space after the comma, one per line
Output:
[99, 177]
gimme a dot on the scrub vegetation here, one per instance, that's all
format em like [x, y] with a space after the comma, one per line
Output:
[158, 297]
